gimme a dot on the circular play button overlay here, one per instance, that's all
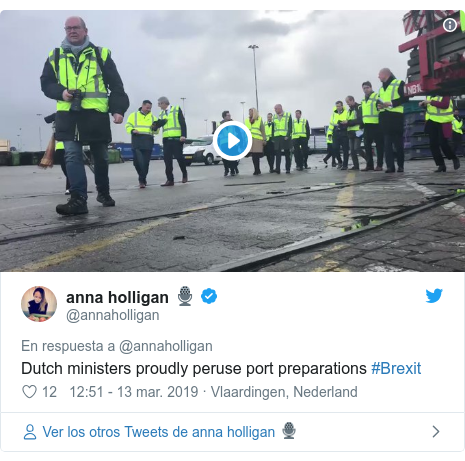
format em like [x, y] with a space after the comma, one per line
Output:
[232, 140]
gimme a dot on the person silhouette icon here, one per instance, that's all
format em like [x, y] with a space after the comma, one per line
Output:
[30, 433]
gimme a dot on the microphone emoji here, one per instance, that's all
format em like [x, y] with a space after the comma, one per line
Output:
[185, 296]
[288, 431]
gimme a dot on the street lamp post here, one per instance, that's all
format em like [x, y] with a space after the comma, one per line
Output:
[184, 106]
[40, 134]
[253, 48]
[21, 138]
[243, 113]
[206, 126]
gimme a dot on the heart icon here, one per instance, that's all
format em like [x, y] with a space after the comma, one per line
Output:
[29, 391]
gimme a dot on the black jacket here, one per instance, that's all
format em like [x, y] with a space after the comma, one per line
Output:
[182, 123]
[92, 126]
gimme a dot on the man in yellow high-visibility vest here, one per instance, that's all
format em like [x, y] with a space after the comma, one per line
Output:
[84, 81]
[354, 132]
[371, 129]
[59, 156]
[300, 137]
[269, 146]
[457, 133]
[338, 134]
[329, 152]
[439, 116]
[174, 137]
[329, 142]
[140, 126]
[391, 118]
[230, 166]
[282, 133]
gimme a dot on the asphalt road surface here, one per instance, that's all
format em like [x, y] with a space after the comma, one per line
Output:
[217, 223]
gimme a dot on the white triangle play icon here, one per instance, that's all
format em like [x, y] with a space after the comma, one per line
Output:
[232, 140]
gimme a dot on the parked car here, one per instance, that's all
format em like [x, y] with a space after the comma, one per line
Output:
[201, 150]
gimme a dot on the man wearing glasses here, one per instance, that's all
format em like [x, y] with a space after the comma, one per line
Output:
[84, 81]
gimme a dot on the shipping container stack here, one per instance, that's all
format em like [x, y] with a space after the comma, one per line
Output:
[416, 142]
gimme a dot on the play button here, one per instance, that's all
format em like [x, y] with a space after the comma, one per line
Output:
[232, 140]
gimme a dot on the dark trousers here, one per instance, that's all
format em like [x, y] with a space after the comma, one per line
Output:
[256, 162]
[438, 142]
[75, 167]
[172, 148]
[329, 148]
[373, 134]
[60, 158]
[141, 163]
[300, 151]
[287, 155]
[457, 139]
[355, 149]
[338, 143]
[269, 152]
[230, 165]
[396, 140]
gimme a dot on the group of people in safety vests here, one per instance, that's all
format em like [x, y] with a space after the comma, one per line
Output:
[277, 137]
[379, 121]
[84, 81]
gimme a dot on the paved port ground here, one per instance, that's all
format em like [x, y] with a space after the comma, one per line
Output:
[213, 222]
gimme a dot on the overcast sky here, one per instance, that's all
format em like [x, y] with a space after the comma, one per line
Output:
[306, 60]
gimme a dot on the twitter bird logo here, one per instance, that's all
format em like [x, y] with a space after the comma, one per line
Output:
[434, 297]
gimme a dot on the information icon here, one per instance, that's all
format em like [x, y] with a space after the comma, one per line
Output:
[450, 25]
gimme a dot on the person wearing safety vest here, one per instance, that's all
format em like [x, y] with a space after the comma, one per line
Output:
[371, 129]
[439, 117]
[60, 156]
[269, 147]
[282, 134]
[230, 166]
[329, 154]
[354, 132]
[255, 125]
[59, 152]
[140, 125]
[329, 143]
[174, 137]
[391, 118]
[337, 133]
[300, 137]
[80, 76]
[457, 133]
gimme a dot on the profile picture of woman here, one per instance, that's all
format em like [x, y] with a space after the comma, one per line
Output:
[39, 304]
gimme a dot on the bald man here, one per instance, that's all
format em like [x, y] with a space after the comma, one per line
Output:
[84, 81]
[391, 118]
